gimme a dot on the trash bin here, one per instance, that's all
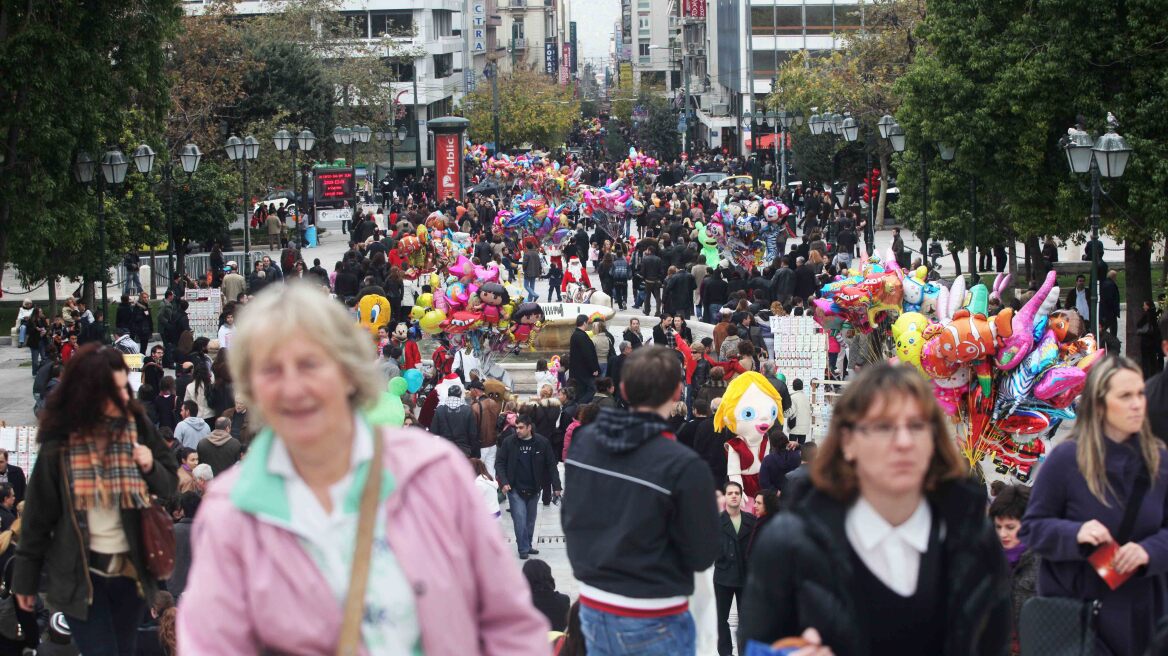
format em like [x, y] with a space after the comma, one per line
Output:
[310, 235]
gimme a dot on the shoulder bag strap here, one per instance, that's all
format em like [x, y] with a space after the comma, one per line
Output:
[350, 639]
[1132, 508]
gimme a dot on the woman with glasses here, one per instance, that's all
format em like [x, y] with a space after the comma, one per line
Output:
[1112, 465]
[889, 550]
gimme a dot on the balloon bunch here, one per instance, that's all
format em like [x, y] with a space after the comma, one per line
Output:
[471, 306]
[533, 215]
[750, 230]
[1005, 379]
[637, 165]
[536, 173]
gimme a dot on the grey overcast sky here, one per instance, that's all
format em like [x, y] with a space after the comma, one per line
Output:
[594, 21]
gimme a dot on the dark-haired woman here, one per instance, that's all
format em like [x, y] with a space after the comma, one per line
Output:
[1148, 332]
[554, 605]
[37, 337]
[1081, 497]
[99, 463]
[1006, 511]
[895, 553]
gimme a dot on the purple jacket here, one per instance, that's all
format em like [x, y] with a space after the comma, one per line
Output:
[775, 467]
[253, 589]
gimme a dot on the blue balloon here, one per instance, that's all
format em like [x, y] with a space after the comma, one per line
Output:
[413, 380]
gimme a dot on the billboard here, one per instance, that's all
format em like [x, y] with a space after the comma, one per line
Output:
[478, 28]
[333, 186]
[447, 166]
[693, 8]
[626, 75]
[565, 61]
[572, 40]
[551, 59]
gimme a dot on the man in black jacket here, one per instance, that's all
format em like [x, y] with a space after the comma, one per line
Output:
[12, 475]
[641, 515]
[454, 420]
[524, 465]
[653, 273]
[583, 364]
[735, 535]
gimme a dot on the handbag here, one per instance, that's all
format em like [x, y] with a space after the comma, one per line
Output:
[9, 623]
[1060, 626]
[350, 638]
[158, 541]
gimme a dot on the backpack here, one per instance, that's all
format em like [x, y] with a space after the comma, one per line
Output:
[620, 270]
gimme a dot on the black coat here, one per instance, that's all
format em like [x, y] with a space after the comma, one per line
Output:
[554, 606]
[458, 426]
[783, 600]
[542, 460]
[582, 361]
[17, 481]
[711, 446]
[730, 568]
[50, 544]
[805, 281]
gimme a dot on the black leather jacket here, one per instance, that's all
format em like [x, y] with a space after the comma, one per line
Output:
[801, 576]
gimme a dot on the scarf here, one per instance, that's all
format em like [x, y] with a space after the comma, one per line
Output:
[1014, 554]
[452, 402]
[109, 479]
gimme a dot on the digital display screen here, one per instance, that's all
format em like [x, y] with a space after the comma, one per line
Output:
[334, 185]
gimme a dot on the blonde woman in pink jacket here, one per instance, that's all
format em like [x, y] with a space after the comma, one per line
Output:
[274, 540]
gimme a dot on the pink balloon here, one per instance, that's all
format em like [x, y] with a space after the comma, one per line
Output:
[1057, 380]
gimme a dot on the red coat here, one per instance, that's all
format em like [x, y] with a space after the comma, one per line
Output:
[569, 278]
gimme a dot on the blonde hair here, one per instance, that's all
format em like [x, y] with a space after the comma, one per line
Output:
[280, 311]
[1091, 443]
[725, 417]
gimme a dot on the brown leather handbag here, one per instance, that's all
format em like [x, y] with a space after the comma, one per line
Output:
[158, 541]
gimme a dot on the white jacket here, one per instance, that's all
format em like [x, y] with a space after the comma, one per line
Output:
[800, 412]
[490, 492]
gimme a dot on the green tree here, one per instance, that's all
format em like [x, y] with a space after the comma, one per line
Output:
[532, 109]
[658, 134]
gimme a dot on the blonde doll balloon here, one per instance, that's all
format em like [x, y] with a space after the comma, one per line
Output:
[749, 408]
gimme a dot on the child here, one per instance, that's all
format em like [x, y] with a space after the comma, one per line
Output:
[555, 276]
[1006, 511]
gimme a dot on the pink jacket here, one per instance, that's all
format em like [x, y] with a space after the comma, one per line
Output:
[252, 588]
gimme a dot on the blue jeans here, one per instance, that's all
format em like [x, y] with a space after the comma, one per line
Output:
[613, 635]
[712, 310]
[22, 332]
[132, 284]
[529, 285]
[38, 354]
[111, 629]
[523, 518]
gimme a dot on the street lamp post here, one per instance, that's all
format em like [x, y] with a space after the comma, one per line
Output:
[243, 150]
[302, 142]
[1105, 157]
[189, 158]
[113, 172]
[351, 137]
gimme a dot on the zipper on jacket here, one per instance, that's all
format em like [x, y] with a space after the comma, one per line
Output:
[76, 527]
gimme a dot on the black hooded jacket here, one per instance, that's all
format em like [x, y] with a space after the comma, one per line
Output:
[802, 575]
[640, 517]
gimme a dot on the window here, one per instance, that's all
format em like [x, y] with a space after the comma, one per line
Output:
[766, 62]
[443, 65]
[398, 70]
[643, 22]
[849, 17]
[517, 30]
[443, 23]
[821, 19]
[643, 49]
[394, 23]
[789, 20]
[762, 20]
[355, 24]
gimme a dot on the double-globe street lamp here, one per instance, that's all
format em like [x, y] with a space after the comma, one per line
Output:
[189, 158]
[243, 151]
[113, 172]
[1105, 157]
[828, 123]
[895, 134]
[393, 136]
[302, 142]
[351, 137]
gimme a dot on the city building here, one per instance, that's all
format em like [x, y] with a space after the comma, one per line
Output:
[433, 27]
[535, 34]
[735, 72]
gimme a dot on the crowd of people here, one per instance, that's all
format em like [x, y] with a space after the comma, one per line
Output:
[301, 523]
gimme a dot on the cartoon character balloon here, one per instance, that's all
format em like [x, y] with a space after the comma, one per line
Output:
[373, 312]
[750, 407]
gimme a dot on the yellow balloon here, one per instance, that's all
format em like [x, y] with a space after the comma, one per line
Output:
[430, 322]
[507, 310]
[504, 325]
[435, 281]
[423, 234]
[908, 331]
[417, 312]
[425, 300]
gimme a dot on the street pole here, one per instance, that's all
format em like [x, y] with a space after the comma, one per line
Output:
[495, 106]
[418, 128]
[246, 222]
[167, 173]
[972, 257]
[353, 159]
[101, 255]
[924, 208]
[1096, 191]
[778, 136]
[870, 228]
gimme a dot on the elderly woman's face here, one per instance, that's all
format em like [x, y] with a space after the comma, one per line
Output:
[301, 389]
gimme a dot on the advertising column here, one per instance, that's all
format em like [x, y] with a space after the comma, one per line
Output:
[448, 133]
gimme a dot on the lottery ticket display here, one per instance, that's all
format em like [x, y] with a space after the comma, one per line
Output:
[800, 349]
[824, 394]
[203, 312]
[21, 443]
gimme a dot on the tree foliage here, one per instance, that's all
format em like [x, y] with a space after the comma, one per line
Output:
[532, 109]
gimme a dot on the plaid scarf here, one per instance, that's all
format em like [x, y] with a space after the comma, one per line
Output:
[109, 479]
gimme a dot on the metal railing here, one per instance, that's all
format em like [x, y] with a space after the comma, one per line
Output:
[519, 44]
[196, 265]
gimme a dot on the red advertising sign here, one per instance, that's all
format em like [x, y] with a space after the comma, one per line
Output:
[333, 185]
[694, 8]
[448, 166]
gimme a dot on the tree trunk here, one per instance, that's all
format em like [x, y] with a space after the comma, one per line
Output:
[1137, 260]
[52, 285]
[1012, 267]
[957, 264]
[880, 204]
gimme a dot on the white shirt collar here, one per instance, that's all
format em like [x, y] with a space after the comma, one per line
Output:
[280, 461]
[871, 529]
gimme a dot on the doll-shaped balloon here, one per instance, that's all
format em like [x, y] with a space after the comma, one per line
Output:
[1067, 325]
[493, 297]
[709, 243]
[525, 321]
[373, 312]
[750, 407]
